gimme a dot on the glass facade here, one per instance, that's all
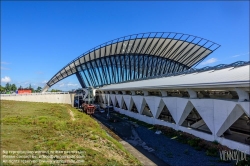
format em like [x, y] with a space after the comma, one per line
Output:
[123, 68]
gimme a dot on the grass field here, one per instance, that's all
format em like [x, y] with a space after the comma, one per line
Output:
[30, 126]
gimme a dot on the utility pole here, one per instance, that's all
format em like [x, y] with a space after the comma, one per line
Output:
[108, 106]
[78, 101]
[88, 96]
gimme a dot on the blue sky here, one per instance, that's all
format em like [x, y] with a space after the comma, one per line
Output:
[39, 38]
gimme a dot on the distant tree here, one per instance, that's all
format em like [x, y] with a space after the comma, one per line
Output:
[20, 87]
[8, 87]
[2, 89]
[30, 88]
[39, 89]
[55, 90]
[13, 87]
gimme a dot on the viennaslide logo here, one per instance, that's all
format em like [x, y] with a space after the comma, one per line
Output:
[235, 155]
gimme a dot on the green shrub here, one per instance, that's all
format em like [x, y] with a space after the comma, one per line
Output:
[193, 142]
[212, 152]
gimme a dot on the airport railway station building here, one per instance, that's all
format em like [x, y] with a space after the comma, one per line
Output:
[152, 77]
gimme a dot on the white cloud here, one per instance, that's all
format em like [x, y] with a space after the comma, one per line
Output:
[209, 61]
[61, 85]
[234, 56]
[69, 84]
[39, 72]
[45, 81]
[4, 68]
[5, 63]
[6, 79]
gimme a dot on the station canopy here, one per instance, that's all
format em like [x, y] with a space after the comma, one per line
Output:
[135, 57]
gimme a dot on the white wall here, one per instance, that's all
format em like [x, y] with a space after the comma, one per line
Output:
[65, 98]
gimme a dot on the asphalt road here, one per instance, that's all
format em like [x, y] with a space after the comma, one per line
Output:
[130, 139]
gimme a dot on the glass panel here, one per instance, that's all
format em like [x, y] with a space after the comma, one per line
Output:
[84, 79]
[109, 69]
[105, 71]
[79, 68]
[96, 68]
[180, 68]
[132, 66]
[149, 66]
[153, 66]
[87, 77]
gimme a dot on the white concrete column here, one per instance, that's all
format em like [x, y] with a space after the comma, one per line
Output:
[192, 94]
[128, 101]
[133, 92]
[243, 95]
[86, 93]
[145, 93]
[94, 92]
[113, 99]
[155, 105]
[116, 92]
[103, 97]
[163, 93]
[124, 92]
[139, 102]
[119, 100]
[45, 89]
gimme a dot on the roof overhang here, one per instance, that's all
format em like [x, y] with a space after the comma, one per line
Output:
[182, 48]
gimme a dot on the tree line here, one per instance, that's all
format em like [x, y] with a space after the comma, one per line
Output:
[10, 88]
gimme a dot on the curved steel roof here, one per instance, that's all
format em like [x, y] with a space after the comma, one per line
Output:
[183, 49]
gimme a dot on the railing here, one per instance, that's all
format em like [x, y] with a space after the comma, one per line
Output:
[33, 94]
